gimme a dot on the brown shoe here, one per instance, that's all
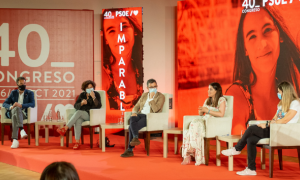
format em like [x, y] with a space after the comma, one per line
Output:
[127, 154]
[135, 142]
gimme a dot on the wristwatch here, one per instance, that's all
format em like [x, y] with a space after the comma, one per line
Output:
[267, 125]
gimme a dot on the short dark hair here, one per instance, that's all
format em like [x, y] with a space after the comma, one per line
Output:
[60, 171]
[151, 81]
[86, 83]
[20, 78]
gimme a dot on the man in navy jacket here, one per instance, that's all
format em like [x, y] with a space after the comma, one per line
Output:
[17, 104]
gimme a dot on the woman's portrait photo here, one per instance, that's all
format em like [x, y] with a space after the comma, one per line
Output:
[122, 67]
[248, 52]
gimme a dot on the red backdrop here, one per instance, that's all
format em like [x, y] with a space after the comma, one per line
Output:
[53, 49]
[207, 48]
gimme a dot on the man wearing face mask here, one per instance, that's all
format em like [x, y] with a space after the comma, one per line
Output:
[150, 102]
[87, 100]
[17, 104]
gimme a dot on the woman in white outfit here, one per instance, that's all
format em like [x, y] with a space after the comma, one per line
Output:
[193, 143]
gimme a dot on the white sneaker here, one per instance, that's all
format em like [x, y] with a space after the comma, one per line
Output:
[231, 152]
[15, 144]
[23, 134]
[247, 172]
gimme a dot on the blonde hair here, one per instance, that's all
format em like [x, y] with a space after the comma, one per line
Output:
[288, 95]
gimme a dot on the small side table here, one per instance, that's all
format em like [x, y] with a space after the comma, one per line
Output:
[46, 123]
[174, 131]
[230, 139]
[102, 132]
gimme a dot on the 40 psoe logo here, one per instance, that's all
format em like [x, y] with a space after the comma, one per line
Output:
[108, 14]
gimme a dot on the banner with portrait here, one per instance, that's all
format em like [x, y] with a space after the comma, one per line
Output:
[52, 49]
[122, 57]
[248, 46]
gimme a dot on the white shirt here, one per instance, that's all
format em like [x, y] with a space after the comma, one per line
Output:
[146, 109]
[20, 99]
[295, 105]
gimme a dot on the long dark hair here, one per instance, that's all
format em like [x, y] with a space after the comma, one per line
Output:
[137, 51]
[219, 94]
[289, 53]
[60, 171]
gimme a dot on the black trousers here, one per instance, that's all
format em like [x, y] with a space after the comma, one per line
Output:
[251, 137]
[136, 123]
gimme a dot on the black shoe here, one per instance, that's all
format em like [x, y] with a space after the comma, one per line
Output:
[127, 154]
[135, 142]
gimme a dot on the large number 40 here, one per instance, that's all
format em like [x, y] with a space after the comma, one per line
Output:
[251, 3]
[5, 53]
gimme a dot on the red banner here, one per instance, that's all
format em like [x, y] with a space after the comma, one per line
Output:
[53, 49]
[122, 65]
[247, 46]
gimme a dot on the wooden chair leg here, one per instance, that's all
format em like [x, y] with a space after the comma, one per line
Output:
[10, 133]
[28, 132]
[126, 132]
[145, 140]
[271, 161]
[298, 150]
[91, 136]
[280, 158]
[148, 143]
[34, 130]
[262, 158]
[2, 133]
[207, 144]
[82, 141]
[67, 138]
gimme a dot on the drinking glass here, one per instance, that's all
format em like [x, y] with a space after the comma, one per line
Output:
[242, 132]
[120, 121]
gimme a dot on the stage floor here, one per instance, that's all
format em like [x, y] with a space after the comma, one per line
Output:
[94, 164]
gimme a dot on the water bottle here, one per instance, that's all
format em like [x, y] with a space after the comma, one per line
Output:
[50, 115]
[122, 118]
[58, 115]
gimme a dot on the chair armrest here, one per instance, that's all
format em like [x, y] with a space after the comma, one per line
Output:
[3, 111]
[218, 126]
[69, 114]
[126, 119]
[285, 134]
[187, 120]
[97, 116]
[157, 121]
[255, 122]
[32, 115]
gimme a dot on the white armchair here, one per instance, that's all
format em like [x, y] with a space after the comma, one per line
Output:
[97, 116]
[215, 126]
[32, 118]
[156, 123]
[282, 136]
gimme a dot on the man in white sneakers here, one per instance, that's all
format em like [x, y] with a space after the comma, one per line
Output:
[17, 104]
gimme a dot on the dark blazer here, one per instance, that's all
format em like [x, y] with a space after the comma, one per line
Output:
[91, 104]
[28, 100]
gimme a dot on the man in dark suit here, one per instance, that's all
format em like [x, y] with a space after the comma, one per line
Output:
[17, 104]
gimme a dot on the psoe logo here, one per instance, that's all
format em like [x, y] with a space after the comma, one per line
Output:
[108, 15]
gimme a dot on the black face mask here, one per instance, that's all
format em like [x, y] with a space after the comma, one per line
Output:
[22, 87]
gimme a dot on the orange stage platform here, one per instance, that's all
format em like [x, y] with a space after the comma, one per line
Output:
[93, 164]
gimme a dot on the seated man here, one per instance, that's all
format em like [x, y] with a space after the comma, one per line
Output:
[16, 104]
[150, 102]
